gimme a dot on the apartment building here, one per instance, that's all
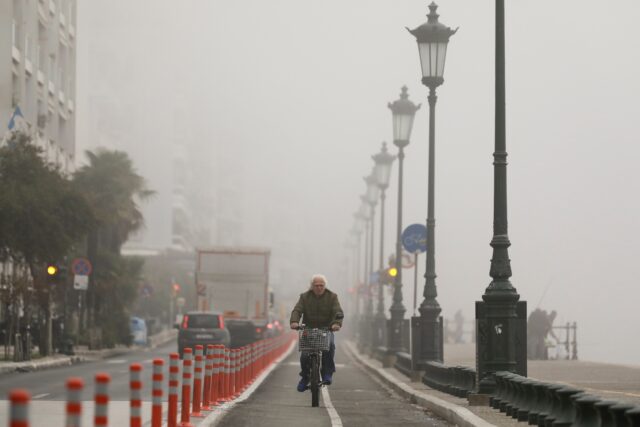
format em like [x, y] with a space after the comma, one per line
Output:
[37, 72]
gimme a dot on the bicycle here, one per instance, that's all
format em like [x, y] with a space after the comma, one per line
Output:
[313, 341]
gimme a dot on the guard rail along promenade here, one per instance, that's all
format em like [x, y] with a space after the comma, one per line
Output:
[530, 401]
[220, 375]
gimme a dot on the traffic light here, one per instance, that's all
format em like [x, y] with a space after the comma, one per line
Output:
[52, 270]
[175, 289]
[388, 275]
[56, 272]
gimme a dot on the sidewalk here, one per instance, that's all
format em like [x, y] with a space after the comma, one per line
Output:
[615, 382]
[82, 354]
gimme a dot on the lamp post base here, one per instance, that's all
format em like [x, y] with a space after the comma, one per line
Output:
[501, 342]
[426, 339]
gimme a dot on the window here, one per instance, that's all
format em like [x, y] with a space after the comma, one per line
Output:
[14, 32]
[205, 321]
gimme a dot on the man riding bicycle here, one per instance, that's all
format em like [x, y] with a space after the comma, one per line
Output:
[321, 309]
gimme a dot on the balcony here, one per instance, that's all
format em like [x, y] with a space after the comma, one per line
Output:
[52, 88]
[28, 67]
[70, 105]
[16, 55]
[40, 78]
[52, 7]
[72, 30]
[61, 97]
[63, 20]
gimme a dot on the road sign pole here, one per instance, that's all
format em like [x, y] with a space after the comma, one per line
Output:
[415, 281]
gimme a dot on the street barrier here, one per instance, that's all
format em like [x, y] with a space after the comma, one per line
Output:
[135, 386]
[19, 412]
[197, 382]
[101, 414]
[156, 404]
[185, 419]
[226, 374]
[549, 404]
[174, 384]
[74, 402]
[208, 368]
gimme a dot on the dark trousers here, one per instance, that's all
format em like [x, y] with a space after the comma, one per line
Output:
[328, 364]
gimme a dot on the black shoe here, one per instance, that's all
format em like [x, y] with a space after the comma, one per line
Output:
[326, 379]
[303, 384]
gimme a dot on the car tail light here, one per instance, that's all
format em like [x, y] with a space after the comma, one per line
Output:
[269, 326]
[258, 330]
[221, 321]
[185, 321]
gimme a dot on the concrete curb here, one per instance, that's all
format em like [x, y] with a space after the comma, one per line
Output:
[58, 361]
[40, 364]
[450, 412]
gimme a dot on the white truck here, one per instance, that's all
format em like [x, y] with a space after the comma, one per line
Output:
[234, 281]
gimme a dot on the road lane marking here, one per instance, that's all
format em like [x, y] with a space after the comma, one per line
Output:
[116, 361]
[40, 396]
[333, 414]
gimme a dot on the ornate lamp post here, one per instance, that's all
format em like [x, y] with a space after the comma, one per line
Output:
[432, 38]
[356, 235]
[382, 171]
[372, 195]
[500, 317]
[403, 112]
[364, 214]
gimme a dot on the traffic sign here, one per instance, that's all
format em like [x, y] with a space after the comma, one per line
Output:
[414, 238]
[80, 282]
[81, 266]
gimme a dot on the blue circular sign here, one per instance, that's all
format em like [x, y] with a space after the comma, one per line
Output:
[414, 238]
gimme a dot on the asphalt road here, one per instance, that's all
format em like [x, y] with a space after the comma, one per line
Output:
[49, 384]
[357, 399]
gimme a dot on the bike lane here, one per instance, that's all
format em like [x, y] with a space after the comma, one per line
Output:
[355, 399]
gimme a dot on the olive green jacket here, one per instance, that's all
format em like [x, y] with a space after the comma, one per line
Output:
[319, 312]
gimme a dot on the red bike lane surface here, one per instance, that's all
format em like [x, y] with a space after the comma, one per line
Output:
[357, 398]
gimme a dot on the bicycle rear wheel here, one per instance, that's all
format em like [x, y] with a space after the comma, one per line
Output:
[315, 380]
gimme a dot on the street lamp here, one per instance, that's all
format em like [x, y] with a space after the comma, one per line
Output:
[500, 317]
[432, 38]
[372, 195]
[403, 112]
[383, 161]
[364, 214]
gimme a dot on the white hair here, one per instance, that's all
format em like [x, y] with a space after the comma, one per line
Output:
[318, 276]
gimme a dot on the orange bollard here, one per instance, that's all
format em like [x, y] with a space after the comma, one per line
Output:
[215, 374]
[186, 388]
[135, 387]
[225, 376]
[197, 383]
[101, 413]
[208, 367]
[238, 372]
[233, 354]
[74, 402]
[156, 406]
[174, 383]
[19, 412]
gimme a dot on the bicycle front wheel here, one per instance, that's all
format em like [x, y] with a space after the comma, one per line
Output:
[315, 380]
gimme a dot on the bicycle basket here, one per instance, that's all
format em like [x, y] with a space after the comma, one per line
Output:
[313, 340]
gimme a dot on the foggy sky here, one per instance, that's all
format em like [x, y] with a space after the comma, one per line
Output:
[292, 96]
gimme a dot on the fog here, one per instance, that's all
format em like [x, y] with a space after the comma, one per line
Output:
[277, 107]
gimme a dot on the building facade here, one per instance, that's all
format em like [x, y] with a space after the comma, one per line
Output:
[37, 73]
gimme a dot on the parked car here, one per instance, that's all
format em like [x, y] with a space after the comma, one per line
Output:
[204, 328]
